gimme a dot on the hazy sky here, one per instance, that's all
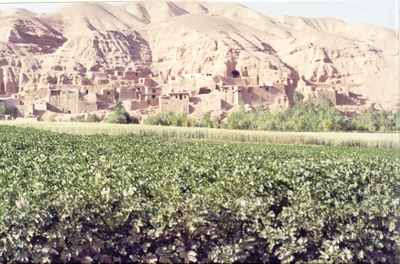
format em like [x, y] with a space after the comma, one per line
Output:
[382, 13]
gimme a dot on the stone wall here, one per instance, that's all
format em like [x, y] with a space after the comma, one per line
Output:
[64, 100]
[86, 107]
[329, 93]
[211, 102]
[131, 105]
[127, 93]
[176, 103]
[231, 96]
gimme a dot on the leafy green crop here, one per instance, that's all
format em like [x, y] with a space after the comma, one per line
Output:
[101, 198]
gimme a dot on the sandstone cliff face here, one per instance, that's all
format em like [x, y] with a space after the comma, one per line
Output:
[174, 38]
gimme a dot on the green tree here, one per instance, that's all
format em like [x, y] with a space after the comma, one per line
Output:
[327, 125]
[116, 118]
[120, 115]
[241, 106]
[259, 106]
[206, 120]
[324, 102]
[93, 118]
[4, 110]
[215, 121]
[297, 97]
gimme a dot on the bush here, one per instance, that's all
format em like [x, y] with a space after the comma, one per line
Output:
[115, 118]
[93, 118]
[121, 116]
[206, 120]
[134, 119]
[168, 118]
[297, 97]
[327, 125]
[4, 110]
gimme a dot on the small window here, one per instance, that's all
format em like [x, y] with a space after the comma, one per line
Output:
[154, 96]
[87, 91]
[136, 74]
[108, 93]
[154, 90]
[69, 112]
[180, 97]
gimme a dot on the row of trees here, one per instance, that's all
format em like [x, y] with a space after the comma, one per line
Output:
[169, 118]
[314, 115]
[305, 115]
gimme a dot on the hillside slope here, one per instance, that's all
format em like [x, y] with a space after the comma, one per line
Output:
[164, 38]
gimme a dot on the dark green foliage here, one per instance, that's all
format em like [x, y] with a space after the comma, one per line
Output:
[206, 120]
[241, 106]
[259, 106]
[168, 118]
[116, 118]
[305, 115]
[134, 119]
[395, 122]
[323, 102]
[126, 199]
[93, 118]
[215, 121]
[4, 110]
[311, 116]
[240, 120]
[121, 116]
[297, 97]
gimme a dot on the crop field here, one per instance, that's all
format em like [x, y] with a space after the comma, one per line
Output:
[102, 198]
[351, 139]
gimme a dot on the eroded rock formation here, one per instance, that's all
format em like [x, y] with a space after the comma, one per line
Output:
[190, 57]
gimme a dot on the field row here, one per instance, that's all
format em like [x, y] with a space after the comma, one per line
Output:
[101, 198]
[374, 140]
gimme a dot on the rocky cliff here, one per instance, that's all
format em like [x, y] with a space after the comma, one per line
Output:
[174, 38]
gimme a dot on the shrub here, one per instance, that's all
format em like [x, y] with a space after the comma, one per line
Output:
[327, 125]
[134, 119]
[259, 106]
[121, 116]
[4, 110]
[206, 120]
[297, 97]
[116, 118]
[93, 118]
